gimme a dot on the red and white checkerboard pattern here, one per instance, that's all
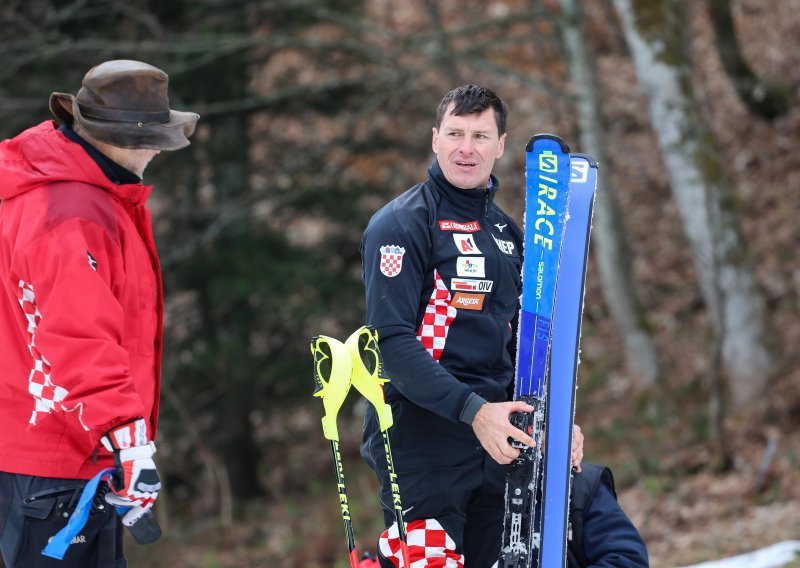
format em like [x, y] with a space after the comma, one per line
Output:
[391, 264]
[439, 314]
[391, 260]
[429, 546]
[45, 394]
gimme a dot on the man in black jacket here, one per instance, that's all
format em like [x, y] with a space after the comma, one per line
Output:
[442, 274]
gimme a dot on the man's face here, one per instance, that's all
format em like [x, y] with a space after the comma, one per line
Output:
[466, 147]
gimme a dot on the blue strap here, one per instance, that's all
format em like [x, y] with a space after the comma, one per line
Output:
[57, 547]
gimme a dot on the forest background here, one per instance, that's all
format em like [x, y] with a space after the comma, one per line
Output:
[316, 112]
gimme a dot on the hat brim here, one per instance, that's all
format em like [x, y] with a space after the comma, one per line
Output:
[171, 135]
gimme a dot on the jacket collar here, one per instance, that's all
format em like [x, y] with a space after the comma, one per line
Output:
[113, 171]
[469, 201]
[43, 155]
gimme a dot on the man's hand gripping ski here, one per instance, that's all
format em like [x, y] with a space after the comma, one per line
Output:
[494, 431]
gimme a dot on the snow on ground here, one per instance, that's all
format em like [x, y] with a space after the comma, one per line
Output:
[774, 556]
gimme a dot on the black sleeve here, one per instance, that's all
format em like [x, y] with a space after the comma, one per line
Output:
[609, 537]
[393, 299]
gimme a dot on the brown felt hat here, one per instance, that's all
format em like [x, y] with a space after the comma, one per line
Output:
[125, 103]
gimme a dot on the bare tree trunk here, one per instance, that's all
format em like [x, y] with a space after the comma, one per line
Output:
[611, 245]
[766, 99]
[443, 46]
[653, 31]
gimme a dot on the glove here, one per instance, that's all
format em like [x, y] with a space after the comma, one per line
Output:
[136, 482]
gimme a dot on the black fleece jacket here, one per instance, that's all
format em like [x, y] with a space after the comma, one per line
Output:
[444, 261]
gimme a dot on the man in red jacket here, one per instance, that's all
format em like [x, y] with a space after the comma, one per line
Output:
[80, 312]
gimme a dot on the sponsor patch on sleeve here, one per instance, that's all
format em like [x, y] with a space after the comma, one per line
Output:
[464, 301]
[391, 262]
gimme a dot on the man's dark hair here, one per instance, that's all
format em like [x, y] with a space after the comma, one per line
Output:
[473, 99]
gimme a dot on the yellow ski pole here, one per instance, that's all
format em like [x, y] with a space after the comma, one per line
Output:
[332, 371]
[368, 378]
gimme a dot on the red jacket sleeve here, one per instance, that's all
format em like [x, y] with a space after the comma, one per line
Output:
[75, 276]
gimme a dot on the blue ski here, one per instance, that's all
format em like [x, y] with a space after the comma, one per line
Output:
[564, 359]
[547, 184]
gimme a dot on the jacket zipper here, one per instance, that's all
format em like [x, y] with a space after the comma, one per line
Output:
[500, 257]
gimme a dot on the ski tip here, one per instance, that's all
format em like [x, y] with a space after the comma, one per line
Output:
[546, 136]
[587, 157]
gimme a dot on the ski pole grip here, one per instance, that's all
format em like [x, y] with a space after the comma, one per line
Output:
[368, 372]
[385, 418]
[332, 369]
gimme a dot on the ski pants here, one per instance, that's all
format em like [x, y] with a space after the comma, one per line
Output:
[452, 492]
[27, 524]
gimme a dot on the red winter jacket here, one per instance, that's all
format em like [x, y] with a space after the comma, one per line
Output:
[80, 307]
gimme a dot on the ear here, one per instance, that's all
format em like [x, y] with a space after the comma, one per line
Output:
[501, 147]
[435, 140]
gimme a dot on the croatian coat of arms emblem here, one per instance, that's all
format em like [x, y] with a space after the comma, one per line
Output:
[391, 260]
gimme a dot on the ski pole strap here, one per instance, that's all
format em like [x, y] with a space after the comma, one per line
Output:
[57, 547]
